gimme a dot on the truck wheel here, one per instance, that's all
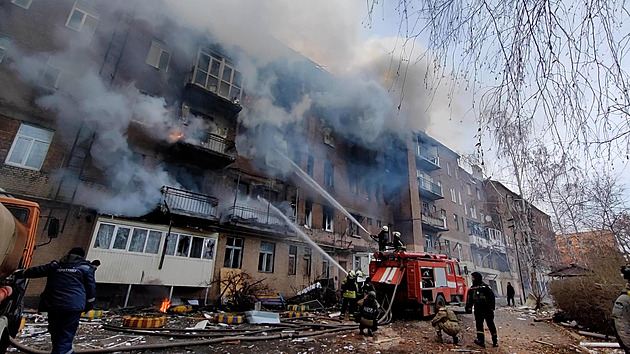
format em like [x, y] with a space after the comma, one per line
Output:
[440, 301]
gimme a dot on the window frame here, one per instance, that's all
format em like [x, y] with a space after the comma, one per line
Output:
[292, 264]
[31, 143]
[4, 45]
[162, 49]
[231, 249]
[266, 257]
[310, 165]
[308, 214]
[86, 12]
[207, 72]
[308, 261]
[453, 196]
[329, 175]
[26, 7]
[328, 213]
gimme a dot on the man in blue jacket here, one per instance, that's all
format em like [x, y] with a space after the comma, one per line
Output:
[70, 290]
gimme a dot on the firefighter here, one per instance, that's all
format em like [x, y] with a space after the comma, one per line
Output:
[446, 320]
[481, 297]
[349, 294]
[382, 238]
[360, 282]
[70, 289]
[368, 286]
[368, 310]
[621, 313]
[398, 244]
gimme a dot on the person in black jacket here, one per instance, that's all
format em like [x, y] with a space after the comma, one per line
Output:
[70, 290]
[510, 294]
[481, 297]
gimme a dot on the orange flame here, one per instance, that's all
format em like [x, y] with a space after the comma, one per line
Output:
[175, 134]
[165, 305]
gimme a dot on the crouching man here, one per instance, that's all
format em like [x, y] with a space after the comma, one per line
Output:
[70, 290]
[368, 309]
[446, 320]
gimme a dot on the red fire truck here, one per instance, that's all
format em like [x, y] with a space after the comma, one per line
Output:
[417, 281]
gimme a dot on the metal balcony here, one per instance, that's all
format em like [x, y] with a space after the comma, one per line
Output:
[429, 190]
[255, 217]
[433, 222]
[425, 160]
[214, 152]
[188, 203]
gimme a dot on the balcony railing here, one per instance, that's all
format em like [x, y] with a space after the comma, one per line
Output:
[430, 186]
[255, 216]
[483, 242]
[218, 144]
[437, 222]
[180, 201]
[424, 155]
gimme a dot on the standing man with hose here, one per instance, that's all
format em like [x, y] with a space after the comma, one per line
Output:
[70, 290]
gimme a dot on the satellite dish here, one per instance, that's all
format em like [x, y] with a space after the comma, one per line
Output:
[488, 218]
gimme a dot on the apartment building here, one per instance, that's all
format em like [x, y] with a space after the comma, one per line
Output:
[128, 130]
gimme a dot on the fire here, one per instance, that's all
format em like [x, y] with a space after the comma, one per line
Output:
[175, 134]
[165, 305]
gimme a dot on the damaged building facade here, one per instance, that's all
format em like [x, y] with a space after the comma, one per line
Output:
[144, 138]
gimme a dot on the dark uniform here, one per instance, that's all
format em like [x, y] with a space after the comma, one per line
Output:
[510, 294]
[368, 309]
[398, 244]
[383, 239]
[368, 286]
[70, 290]
[621, 313]
[481, 297]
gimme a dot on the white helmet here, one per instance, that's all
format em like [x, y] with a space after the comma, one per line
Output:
[396, 234]
[359, 274]
[351, 274]
[385, 228]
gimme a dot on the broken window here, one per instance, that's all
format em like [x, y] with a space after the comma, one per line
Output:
[104, 236]
[153, 242]
[208, 248]
[183, 246]
[328, 218]
[265, 258]
[307, 261]
[122, 235]
[233, 252]
[329, 175]
[292, 259]
[171, 243]
[325, 267]
[218, 76]
[197, 247]
[30, 147]
[308, 214]
[82, 18]
[354, 228]
[158, 57]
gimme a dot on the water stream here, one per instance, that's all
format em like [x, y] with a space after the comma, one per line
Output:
[302, 234]
[302, 174]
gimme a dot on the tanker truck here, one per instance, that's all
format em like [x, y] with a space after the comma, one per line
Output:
[19, 220]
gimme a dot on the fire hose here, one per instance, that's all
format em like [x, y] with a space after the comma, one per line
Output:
[189, 343]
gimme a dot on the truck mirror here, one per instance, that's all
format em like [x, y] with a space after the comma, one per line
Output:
[53, 228]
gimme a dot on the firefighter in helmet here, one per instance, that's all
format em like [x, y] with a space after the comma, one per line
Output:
[349, 294]
[382, 238]
[481, 297]
[621, 312]
[368, 310]
[399, 245]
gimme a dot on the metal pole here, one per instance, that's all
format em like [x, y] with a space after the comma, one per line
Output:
[127, 297]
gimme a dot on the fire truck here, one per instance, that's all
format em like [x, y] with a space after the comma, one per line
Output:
[417, 281]
[19, 220]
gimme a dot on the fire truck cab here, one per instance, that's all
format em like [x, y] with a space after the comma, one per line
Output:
[417, 281]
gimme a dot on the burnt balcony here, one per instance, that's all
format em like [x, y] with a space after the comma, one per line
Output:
[213, 151]
[433, 222]
[187, 203]
[426, 160]
[256, 217]
[428, 189]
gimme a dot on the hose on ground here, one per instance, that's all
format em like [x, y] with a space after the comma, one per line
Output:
[187, 343]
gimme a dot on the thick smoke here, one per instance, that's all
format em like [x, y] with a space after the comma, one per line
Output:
[355, 97]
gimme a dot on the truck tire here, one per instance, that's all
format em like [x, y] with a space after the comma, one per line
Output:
[439, 301]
